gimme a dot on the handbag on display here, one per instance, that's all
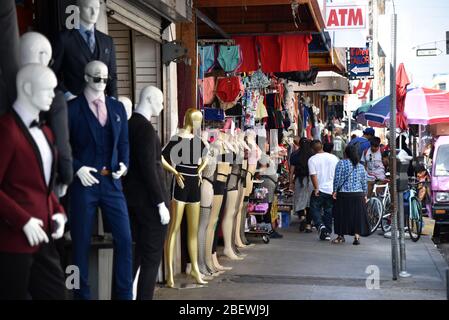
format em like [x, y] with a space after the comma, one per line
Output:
[262, 207]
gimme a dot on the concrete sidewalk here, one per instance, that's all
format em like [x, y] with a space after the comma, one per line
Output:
[300, 267]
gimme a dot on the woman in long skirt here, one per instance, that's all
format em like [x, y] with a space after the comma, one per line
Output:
[350, 188]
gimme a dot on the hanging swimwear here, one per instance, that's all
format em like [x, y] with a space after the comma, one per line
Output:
[229, 91]
[208, 90]
[207, 55]
[229, 58]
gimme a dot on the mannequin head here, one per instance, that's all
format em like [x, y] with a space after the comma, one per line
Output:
[151, 101]
[193, 119]
[35, 48]
[96, 71]
[89, 12]
[35, 87]
[128, 104]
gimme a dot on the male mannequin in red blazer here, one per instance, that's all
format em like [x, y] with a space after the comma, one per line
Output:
[30, 215]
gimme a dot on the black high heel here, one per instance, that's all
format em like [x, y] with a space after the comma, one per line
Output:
[356, 241]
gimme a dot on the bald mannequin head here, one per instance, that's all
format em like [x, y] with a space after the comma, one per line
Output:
[96, 76]
[35, 87]
[151, 101]
[128, 104]
[35, 48]
[89, 12]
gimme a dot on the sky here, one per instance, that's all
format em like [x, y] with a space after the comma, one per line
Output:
[420, 22]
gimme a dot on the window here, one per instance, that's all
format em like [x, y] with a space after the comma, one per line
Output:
[442, 161]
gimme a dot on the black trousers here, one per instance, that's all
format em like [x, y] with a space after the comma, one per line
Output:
[37, 276]
[149, 236]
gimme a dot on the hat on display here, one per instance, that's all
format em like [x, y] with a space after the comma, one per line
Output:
[369, 131]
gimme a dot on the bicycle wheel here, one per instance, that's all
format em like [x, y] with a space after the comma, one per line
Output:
[385, 224]
[415, 220]
[374, 213]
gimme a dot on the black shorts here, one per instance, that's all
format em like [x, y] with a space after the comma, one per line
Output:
[192, 191]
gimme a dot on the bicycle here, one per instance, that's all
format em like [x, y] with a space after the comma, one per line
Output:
[414, 216]
[377, 208]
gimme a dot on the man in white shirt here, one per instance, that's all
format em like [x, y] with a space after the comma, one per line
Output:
[322, 170]
[372, 159]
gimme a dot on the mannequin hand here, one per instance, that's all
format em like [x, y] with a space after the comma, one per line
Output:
[180, 180]
[164, 213]
[60, 220]
[334, 195]
[200, 179]
[34, 232]
[61, 190]
[87, 180]
[121, 172]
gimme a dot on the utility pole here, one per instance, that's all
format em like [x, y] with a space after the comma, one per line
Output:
[393, 187]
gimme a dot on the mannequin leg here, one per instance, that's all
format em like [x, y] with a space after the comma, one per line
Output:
[227, 226]
[238, 220]
[248, 191]
[206, 206]
[177, 211]
[210, 232]
[193, 220]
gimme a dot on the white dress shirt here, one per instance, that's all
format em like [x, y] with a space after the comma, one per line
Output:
[40, 140]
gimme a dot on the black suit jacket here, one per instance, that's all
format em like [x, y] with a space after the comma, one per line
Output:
[9, 54]
[144, 185]
[71, 54]
[58, 120]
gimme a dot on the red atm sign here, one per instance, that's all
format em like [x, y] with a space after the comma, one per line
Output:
[339, 17]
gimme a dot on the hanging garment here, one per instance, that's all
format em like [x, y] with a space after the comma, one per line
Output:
[229, 91]
[249, 53]
[213, 114]
[207, 63]
[229, 58]
[261, 111]
[305, 77]
[270, 53]
[295, 52]
[208, 90]
[259, 80]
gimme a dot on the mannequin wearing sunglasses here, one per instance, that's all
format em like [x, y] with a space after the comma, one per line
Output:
[99, 138]
[74, 49]
[35, 48]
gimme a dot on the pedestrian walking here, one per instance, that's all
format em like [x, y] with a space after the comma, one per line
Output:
[303, 185]
[363, 143]
[372, 159]
[339, 145]
[350, 187]
[322, 170]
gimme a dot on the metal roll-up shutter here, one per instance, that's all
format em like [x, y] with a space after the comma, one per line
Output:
[122, 41]
[147, 62]
[131, 14]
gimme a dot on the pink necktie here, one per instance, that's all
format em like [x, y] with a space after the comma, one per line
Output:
[102, 112]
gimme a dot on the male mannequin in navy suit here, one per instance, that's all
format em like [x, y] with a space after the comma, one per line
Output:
[99, 138]
[74, 49]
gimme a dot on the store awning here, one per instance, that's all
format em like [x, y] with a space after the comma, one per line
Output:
[271, 17]
[329, 82]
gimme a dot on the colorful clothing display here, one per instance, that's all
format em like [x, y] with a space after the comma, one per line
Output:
[249, 53]
[229, 57]
[270, 53]
[294, 52]
[207, 57]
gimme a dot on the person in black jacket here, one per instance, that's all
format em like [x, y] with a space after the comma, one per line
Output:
[75, 48]
[9, 54]
[146, 192]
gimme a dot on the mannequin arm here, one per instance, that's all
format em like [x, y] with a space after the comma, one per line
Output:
[58, 58]
[123, 142]
[168, 167]
[111, 89]
[203, 165]
[10, 211]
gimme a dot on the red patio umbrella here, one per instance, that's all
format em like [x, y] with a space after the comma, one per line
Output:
[402, 82]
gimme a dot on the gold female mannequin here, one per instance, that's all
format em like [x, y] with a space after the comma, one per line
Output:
[192, 123]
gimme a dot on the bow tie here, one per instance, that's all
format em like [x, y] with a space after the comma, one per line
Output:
[38, 124]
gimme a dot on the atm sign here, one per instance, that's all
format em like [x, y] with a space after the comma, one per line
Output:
[339, 17]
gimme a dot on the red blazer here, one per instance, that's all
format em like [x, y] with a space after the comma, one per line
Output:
[23, 191]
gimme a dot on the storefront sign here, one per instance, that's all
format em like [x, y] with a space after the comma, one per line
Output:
[345, 16]
[359, 63]
[362, 88]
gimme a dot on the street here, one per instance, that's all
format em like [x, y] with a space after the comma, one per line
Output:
[300, 267]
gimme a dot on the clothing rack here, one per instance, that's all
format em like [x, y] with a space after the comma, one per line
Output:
[229, 42]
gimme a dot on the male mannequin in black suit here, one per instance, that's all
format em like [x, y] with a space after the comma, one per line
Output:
[145, 191]
[9, 54]
[75, 48]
